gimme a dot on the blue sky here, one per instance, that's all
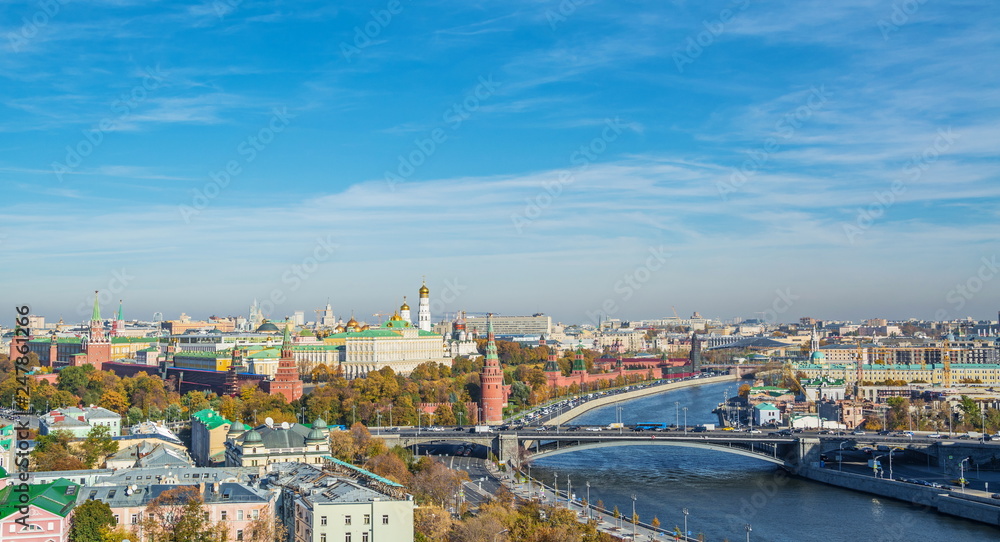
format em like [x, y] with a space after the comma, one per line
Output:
[577, 158]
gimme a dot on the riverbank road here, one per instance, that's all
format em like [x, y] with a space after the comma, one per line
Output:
[620, 528]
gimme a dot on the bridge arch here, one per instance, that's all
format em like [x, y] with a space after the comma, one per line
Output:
[682, 443]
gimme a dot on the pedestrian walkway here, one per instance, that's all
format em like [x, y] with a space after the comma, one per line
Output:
[621, 527]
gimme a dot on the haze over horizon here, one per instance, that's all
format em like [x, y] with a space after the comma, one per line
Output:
[568, 158]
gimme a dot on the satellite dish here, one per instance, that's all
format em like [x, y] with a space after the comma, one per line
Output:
[134, 487]
[269, 421]
[284, 425]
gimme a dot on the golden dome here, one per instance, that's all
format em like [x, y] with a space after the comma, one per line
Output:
[338, 329]
[424, 292]
[395, 317]
[365, 327]
[405, 307]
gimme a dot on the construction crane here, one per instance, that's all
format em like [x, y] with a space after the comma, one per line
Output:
[673, 308]
[379, 315]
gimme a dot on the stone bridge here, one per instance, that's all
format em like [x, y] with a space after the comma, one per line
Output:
[793, 452]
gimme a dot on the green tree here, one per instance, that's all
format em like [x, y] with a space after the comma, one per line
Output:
[98, 445]
[88, 520]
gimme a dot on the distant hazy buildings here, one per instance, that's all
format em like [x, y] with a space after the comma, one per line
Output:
[504, 326]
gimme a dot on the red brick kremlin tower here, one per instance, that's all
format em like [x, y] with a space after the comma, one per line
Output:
[98, 344]
[286, 378]
[494, 392]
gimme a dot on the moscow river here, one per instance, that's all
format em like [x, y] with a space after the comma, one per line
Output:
[724, 492]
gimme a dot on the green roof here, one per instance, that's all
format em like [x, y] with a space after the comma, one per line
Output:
[210, 418]
[765, 406]
[197, 354]
[267, 353]
[61, 340]
[120, 340]
[57, 497]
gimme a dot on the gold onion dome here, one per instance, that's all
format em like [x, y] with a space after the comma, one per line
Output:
[395, 317]
[424, 291]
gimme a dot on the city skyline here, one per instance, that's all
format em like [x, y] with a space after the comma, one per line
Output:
[563, 158]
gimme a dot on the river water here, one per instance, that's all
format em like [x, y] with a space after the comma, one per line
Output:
[723, 492]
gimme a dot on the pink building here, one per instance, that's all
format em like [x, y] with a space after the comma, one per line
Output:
[232, 503]
[50, 507]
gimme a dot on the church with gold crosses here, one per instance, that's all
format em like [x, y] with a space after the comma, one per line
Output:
[397, 343]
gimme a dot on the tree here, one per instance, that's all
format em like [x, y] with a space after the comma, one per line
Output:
[432, 522]
[178, 515]
[134, 415]
[98, 445]
[52, 453]
[265, 528]
[88, 520]
[114, 401]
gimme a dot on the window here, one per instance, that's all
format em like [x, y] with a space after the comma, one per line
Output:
[364, 537]
[385, 519]
[239, 515]
[111, 494]
[116, 519]
[224, 515]
[368, 519]
[255, 514]
[322, 520]
[239, 534]
[135, 519]
[347, 521]
[322, 537]
[347, 537]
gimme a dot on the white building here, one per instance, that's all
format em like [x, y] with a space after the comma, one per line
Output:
[537, 324]
[321, 505]
[765, 413]
[79, 421]
[276, 443]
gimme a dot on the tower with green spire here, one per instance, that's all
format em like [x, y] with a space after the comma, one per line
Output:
[579, 365]
[96, 323]
[118, 324]
[286, 378]
[494, 392]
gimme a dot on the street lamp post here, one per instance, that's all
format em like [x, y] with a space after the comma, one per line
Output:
[555, 489]
[685, 511]
[418, 421]
[685, 421]
[677, 412]
[589, 515]
[354, 414]
[749, 529]
[633, 516]
[876, 466]
[961, 476]
[379, 418]
[840, 456]
[569, 493]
